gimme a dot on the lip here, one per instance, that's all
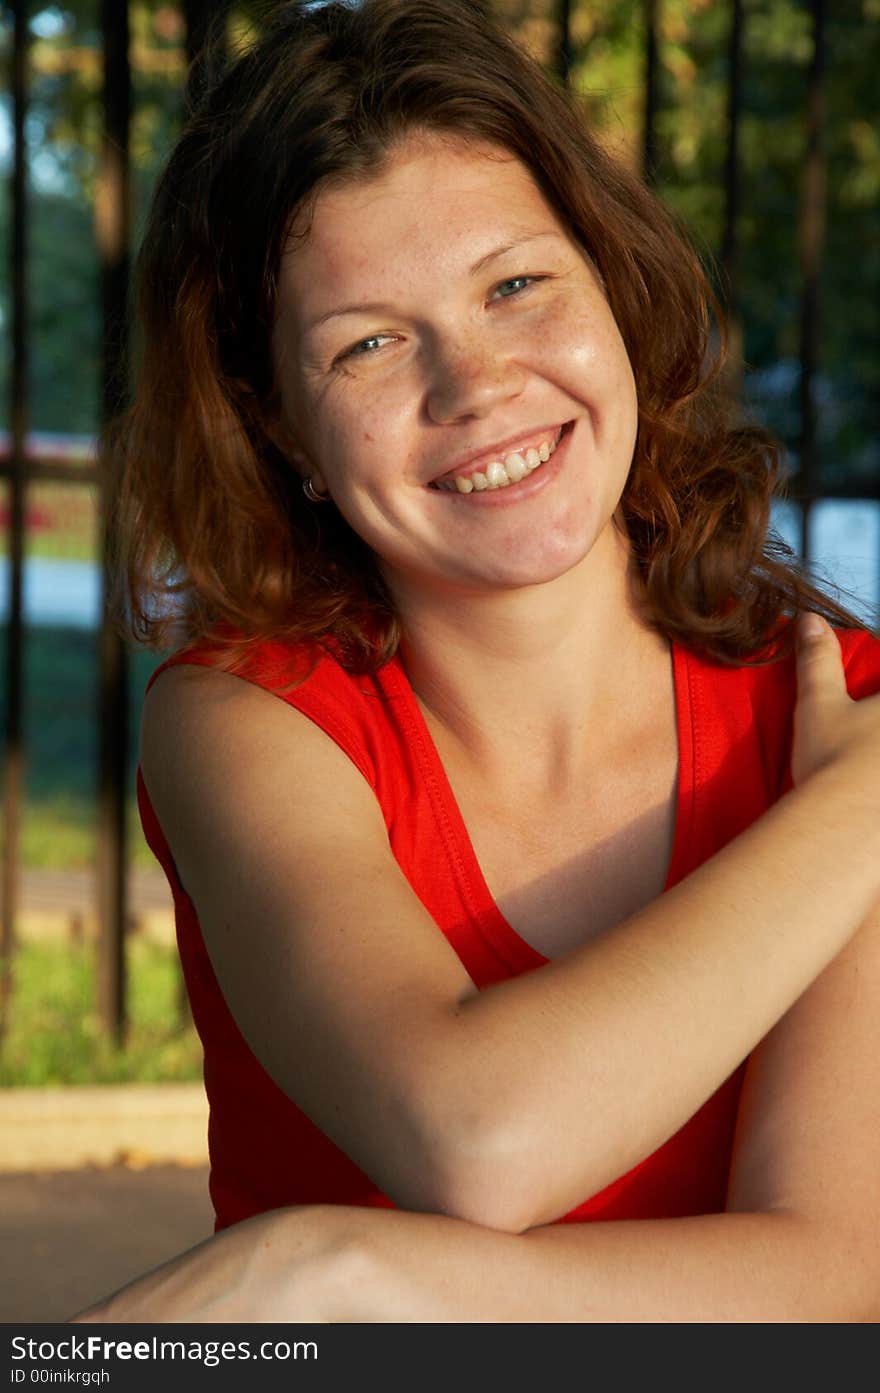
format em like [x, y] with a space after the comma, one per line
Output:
[514, 443]
[511, 493]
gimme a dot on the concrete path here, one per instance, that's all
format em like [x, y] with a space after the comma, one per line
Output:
[135, 1124]
[56, 904]
[69, 1237]
[74, 890]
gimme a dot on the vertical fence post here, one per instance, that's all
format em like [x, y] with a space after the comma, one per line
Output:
[812, 238]
[18, 422]
[652, 90]
[730, 230]
[113, 230]
[204, 20]
[563, 50]
[199, 16]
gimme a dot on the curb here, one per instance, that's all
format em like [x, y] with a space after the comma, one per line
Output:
[54, 925]
[46, 1129]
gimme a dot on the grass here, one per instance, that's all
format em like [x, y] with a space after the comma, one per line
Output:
[55, 1035]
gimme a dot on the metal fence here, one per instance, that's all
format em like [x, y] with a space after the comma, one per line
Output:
[22, 463]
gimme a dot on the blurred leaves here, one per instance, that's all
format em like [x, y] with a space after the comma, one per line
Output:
[608, 76]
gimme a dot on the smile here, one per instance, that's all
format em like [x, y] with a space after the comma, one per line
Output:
[499, 473]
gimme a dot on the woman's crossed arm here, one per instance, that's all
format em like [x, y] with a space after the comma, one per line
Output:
[509, 1106]
[800, 1240]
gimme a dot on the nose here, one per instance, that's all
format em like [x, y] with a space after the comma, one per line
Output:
[469, 378]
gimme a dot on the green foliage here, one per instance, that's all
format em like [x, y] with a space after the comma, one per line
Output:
[55, 1034]
[608, 72]
[64, 319]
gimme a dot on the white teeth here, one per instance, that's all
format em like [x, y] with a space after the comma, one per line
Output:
[516, 468]
[499, 474]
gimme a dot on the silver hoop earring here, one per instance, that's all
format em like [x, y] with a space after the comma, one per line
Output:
[312, 494]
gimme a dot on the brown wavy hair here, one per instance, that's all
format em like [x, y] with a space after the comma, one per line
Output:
[210, 516]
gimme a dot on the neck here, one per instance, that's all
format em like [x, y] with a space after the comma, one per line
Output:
[560, 668]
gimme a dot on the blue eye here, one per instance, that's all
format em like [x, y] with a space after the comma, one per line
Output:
[363, 348]
[514, 286]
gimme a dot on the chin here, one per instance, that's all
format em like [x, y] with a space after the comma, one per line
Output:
[522, 575]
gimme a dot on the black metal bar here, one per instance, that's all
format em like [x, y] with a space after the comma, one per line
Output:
[52, 470]
[812, 239]
[113, 231]
[864, 490]
[652, 90]
[563, 48]
[198, 15]
[204, 31]
[730, 230]
[18, 420]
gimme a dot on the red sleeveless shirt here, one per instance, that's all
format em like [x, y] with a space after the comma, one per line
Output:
[734, 739]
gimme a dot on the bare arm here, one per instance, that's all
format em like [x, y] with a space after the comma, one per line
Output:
[511, 1105]
[334, 1264]
[801, 1240]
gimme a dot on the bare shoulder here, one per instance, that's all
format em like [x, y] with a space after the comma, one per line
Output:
[189, 704]
[212, 729]
[177, 703]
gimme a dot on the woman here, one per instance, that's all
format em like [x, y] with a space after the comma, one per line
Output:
[425, 433]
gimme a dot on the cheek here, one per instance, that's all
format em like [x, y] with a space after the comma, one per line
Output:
[612, 362]
[370, 430]
[354, 454]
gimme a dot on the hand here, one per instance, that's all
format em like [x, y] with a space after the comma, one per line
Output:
[298, 1264]
[829, 727]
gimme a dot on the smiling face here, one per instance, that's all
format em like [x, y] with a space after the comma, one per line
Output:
[450, 370]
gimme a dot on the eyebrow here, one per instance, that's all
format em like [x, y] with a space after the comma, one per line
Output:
[378, 307]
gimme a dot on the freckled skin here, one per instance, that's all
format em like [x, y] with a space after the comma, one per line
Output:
[452, 361]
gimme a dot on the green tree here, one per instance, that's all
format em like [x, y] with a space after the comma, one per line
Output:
[608, 76]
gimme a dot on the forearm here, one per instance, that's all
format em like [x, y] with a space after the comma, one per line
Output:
[574, 1073]
[333, 1264]
[710, 1268]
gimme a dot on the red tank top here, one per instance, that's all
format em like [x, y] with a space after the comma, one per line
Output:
[734, 737]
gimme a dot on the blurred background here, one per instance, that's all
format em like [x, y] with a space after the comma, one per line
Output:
[757, 123]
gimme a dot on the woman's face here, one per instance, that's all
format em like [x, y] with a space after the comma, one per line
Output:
[451, 372]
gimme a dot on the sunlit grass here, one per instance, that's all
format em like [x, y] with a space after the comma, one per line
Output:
[60, 833]
[55, 1035]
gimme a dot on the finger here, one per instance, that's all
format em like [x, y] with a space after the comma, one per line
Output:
[820, 661]
[811, 627]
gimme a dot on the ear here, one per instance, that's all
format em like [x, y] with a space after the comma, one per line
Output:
[284, 440]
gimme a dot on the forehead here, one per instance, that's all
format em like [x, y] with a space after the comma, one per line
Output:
[437, 201]
[426, 162]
